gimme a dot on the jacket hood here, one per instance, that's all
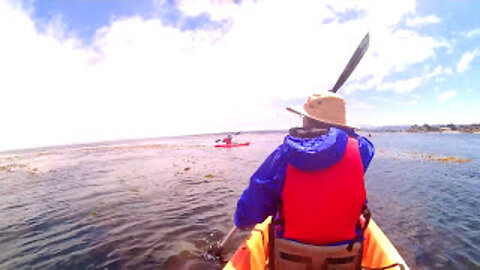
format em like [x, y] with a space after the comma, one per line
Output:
[311, 154]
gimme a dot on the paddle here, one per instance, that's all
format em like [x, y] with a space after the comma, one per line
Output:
[219, 248]
[352, 64]
[236, 133]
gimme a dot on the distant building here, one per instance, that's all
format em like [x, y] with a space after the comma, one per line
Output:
[445, 129]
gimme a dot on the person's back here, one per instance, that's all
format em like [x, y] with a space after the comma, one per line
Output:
[313, 182]
[324, 193]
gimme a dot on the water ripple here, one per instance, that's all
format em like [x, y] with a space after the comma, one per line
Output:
[161, 203]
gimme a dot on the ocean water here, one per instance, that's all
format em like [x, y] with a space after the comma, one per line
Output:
[160, 203]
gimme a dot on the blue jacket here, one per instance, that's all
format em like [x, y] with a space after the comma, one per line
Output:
[260, 198]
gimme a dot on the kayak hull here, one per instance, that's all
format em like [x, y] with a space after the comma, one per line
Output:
[253, 253]
[232, 145]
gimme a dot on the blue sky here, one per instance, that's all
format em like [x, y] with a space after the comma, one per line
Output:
[83, 70]
[84, 17]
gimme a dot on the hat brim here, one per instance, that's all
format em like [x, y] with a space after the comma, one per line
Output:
[302, 112]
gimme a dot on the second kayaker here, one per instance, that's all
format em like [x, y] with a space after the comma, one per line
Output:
[313, 183]
[228, 139]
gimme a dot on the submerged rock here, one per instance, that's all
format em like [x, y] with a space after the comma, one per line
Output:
[187, 260]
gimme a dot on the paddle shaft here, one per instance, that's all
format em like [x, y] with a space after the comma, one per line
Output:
[236, 133]
[227, 238]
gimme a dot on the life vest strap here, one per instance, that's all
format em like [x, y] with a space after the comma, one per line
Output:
[367, 215]
[329, 256]
[391, 266]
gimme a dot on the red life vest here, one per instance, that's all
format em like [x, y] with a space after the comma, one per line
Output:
[323, 207]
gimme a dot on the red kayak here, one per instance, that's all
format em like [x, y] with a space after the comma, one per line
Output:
[232, 145]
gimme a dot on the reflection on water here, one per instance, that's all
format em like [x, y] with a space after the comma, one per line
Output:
[151, 204]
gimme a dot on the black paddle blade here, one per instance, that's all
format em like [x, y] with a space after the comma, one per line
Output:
[352, 64]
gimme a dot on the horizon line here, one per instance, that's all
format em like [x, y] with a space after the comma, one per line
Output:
[114, 141]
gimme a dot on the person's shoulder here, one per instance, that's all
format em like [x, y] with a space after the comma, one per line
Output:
[366, 149]
[364, 141]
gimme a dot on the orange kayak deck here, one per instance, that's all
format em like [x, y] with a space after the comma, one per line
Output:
[252, 254]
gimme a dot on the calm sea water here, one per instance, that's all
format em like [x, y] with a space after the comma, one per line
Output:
[156, 203]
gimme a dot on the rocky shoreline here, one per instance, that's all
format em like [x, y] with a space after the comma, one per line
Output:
[473, 128]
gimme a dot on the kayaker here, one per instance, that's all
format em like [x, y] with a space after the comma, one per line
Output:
[312, 183]
[228, 139]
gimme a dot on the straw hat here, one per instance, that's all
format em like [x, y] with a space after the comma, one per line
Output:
[326, 107]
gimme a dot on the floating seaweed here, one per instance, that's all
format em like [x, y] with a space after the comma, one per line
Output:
[423, 157]
[449, 159]
[134, 189]
[11, 167]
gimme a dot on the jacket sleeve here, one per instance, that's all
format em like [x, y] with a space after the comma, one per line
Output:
[260, 198]
[367, 150]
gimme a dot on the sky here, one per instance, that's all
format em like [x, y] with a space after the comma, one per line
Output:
[84, 71]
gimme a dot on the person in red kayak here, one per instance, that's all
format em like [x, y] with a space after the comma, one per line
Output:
[228, 139]
[313, 184]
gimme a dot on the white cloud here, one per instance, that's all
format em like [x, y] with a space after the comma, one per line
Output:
[420, 21]
[444, 96]
[465, 61]
[412, 102]
[397, 102]
[448, 71]
[402, 86]
[472, 33]
[438, 71]
[217, 10]
[140, 78]
[357, 104]
[410, 84]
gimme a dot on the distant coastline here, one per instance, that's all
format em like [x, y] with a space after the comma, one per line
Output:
[450, 128]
